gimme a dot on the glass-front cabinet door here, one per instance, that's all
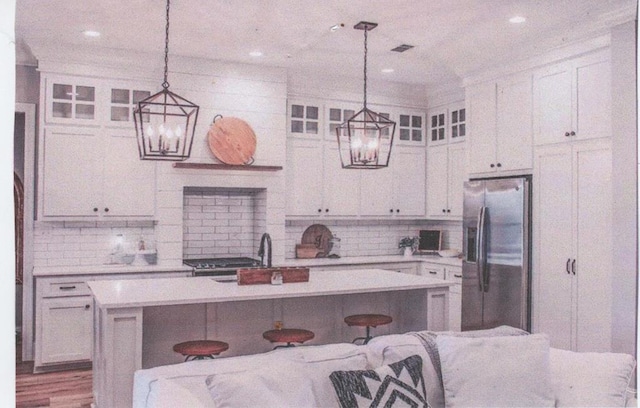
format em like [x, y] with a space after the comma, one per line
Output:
[71, 101]
[410, 128]
[305, 119]
[122, 102]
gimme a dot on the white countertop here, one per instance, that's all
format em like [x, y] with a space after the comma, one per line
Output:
[174, 291]
[105, 269]
[355, 260]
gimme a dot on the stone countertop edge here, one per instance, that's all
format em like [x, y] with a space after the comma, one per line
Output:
[359, 260]
[106, 269]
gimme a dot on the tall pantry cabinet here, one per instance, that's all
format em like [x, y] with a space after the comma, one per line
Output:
[572, 265]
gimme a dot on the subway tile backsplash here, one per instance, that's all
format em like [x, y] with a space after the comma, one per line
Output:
[373, 237]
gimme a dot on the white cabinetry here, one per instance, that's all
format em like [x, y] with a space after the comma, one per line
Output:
[88, 162]
[446, 173]
[573, 100]
[572, 253]
[398, 190]
[500, 119]
[447, 124]
[452, 273]
[317, 185]
[64, 317]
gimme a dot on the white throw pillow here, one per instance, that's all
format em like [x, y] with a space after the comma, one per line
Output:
[288, 383]
[510, 371]
[590, 379]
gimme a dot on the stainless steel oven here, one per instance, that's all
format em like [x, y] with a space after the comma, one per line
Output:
[220, 269]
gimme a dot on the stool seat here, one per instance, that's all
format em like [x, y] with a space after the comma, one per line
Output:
[371, 320]
[288, 336]
[199, 349]
[368, 321]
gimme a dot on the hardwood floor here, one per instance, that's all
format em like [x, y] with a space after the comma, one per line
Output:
[62, 389]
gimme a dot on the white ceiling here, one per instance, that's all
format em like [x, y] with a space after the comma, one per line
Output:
[452, 38]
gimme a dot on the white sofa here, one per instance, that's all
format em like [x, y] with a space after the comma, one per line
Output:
[498, 367]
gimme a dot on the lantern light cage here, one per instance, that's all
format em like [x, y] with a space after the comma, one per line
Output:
[365, 139]
[165, 122]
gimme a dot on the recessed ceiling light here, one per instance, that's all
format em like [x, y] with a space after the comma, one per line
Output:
[256, 53]
[387, 70]
[91, 33]
[517, 20]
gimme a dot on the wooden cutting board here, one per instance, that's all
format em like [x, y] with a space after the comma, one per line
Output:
[320, 236]
[232, 140]
[258, 276]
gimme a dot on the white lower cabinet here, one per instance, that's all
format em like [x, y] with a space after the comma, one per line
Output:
[66, 330]
[572, 265]
[454, 273]
[64, 318]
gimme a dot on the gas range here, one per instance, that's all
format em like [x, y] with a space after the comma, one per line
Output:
[223, 269]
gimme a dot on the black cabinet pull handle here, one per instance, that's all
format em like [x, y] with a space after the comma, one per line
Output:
[67, 287]
[573, 267]
[433, 272]
[457, 276]
[568, 262]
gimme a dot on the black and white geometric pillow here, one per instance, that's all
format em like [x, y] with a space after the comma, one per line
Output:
[398, 384]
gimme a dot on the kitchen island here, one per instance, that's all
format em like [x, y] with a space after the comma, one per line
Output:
[137, 321]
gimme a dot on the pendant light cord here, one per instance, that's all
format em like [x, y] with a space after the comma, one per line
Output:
[165, 84]
[365, 67]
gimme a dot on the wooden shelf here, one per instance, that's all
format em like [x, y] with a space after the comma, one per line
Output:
[215, 166]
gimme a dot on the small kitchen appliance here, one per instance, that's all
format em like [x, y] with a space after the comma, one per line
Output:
[220, 269]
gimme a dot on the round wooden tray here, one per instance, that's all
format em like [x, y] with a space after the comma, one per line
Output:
[232, 140]
[320, 236]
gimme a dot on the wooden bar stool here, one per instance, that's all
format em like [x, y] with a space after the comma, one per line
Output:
[200, 349]
[368, 321]
[288, 336]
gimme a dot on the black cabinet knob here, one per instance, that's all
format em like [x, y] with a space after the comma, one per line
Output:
[319, 209]
[573, 133]
[326, 210]
[492, 165]
[448, 210]
[95, 209]
[443, 210]
[567, 134]
[499, 164]
[398, 210]
[106, 209]
[391, 210]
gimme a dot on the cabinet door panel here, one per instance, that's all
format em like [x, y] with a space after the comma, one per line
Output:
[437, 181]
[304, 179]
[553, 106]
[514, 135]
[67, 327]
[71, 176]
[593, 249]
[593, 110]
[129, 183]
[409, 182]
[341, 186]
[482, 118]
[376, 191]
[457, 176]
[553, 237]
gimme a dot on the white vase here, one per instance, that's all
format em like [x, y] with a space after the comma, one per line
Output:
[408, 251]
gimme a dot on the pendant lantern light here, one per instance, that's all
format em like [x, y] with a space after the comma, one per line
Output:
[165, 122]
[365, 139]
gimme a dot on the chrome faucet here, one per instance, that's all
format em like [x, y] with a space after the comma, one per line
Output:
[267, 238]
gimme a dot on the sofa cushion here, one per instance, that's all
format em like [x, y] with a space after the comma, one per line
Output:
[400, 382]
[395, 347]
[511, 371]
[590, 379]
[302, 381]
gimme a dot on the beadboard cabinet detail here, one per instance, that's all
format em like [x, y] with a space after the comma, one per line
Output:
[573, 206]
[573, 100]
[500, 116]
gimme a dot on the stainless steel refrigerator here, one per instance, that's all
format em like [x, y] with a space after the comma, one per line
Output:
[496, 265]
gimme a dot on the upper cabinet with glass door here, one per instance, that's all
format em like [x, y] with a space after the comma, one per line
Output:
[122, 102]
[410, 128]
[70, 100]
[305, 119]
[447, 124]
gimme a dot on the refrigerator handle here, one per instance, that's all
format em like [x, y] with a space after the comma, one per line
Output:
[480, 249]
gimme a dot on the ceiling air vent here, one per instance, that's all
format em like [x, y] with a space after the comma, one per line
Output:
[402, 48]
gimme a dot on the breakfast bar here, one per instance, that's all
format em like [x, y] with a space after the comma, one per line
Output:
[137, 320]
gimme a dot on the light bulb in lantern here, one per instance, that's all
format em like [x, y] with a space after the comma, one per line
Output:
[373, 144]
[178, 132]
[356, 143]
[149, 131]
[162, 130]
[169, 133]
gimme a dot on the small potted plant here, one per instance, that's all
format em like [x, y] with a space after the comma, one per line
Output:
[409, 245]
